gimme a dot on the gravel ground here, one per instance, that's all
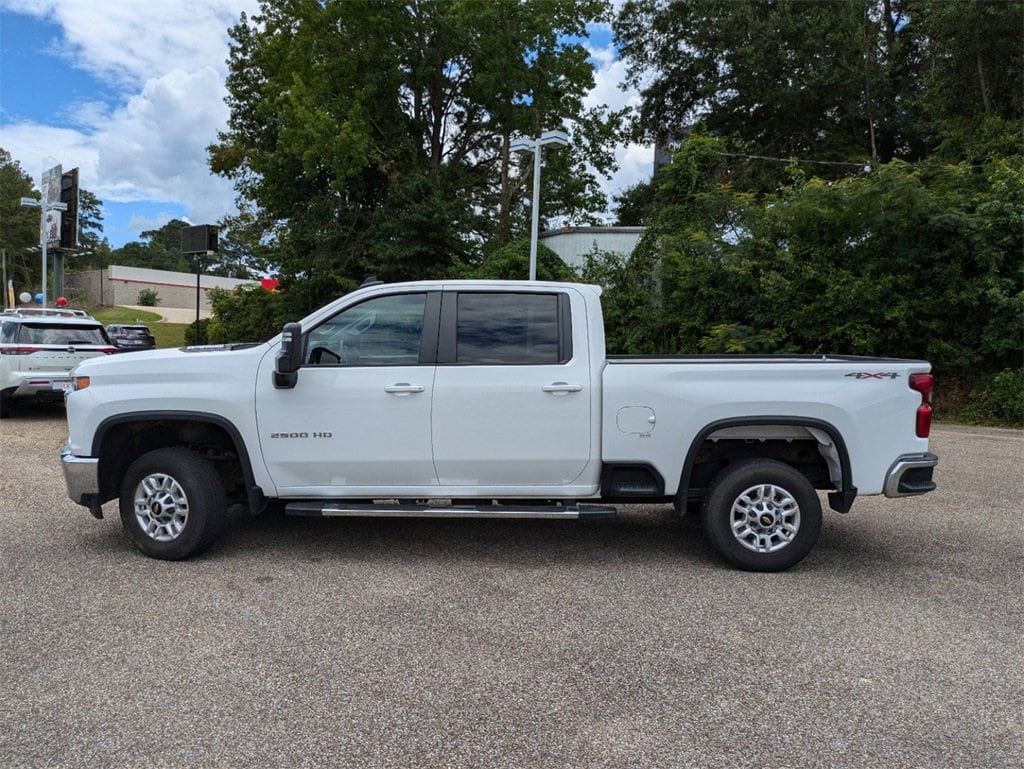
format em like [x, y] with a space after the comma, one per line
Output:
[621, 643]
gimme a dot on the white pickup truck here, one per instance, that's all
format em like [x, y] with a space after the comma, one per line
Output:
[489, 399]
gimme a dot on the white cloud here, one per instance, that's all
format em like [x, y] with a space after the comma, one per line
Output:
[129, 42]
[154, 147]
[167, 60]
[146, 223]
[635, 161]
[38, 147]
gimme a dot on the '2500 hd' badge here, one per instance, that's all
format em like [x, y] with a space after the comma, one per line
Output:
[300, 435]
[879, 375]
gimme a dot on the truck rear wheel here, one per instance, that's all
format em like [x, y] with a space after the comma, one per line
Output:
[761, 515]
[172, 504]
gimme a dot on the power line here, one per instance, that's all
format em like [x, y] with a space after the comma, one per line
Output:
[864, 166]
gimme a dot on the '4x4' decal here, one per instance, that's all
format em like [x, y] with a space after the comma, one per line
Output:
[879, 375]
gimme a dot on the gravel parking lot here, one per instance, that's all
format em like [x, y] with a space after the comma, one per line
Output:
[412, 643]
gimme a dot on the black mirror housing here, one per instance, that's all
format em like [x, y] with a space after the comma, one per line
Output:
[289, 359]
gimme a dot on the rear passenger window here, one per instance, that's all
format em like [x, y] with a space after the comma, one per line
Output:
[514, 328]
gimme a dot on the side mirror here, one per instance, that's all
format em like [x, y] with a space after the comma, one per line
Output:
[289, 359]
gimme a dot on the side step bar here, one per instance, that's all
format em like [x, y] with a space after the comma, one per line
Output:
[342, 509]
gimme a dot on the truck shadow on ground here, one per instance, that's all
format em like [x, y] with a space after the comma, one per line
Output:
[654, 533]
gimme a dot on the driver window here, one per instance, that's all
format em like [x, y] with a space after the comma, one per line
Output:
[378, 332]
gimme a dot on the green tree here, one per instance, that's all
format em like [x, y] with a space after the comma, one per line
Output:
[777, 78]
[971, 89]
[373, 137]
[633, 206]
[159, 249]
[512, 262]
[19, 225]
[846, 82]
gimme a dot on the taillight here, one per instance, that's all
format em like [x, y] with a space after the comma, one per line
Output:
[924, 384]
[19, 350]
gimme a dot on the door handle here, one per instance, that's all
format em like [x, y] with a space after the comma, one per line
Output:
[404, 388]
[561, 388]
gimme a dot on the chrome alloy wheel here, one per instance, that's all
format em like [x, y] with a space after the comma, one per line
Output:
[765, 518]
[161, 507]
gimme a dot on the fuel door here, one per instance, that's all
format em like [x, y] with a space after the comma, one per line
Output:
[635, 420]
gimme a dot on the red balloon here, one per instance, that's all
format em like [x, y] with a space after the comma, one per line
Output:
[62, 302]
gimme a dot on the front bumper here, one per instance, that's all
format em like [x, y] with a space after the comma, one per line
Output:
[911, 474]
[81, 477]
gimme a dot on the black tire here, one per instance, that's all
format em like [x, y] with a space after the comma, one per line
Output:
[181, 509]
[6, 404]
[761, 515]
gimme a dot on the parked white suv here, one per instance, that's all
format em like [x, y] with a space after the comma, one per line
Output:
[38, 350]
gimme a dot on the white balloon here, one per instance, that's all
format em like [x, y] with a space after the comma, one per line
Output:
[25, 296]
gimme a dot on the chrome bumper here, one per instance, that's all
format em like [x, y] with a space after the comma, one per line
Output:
[911, 474]
[81, 476]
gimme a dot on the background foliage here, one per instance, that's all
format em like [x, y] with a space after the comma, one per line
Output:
[848, 176]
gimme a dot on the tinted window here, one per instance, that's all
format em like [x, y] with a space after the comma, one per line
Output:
[379, 332]
[8, 332]
[507, 328]
[52, 333]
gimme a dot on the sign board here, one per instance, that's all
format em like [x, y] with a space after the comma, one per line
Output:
[198, 240]
[51, 184]
[69, 220]
[51, 228]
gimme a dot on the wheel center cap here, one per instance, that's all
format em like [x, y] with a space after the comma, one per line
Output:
[156, 508]
[767, 519]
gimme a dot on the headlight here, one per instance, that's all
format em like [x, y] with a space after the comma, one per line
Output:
[81, 382]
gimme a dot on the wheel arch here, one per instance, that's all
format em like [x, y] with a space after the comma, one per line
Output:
[840, 500]
[120, 439]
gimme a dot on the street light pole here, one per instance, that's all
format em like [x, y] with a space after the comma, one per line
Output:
[43, 209]
[554, 139]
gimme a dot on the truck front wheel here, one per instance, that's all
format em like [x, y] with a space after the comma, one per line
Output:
[172, 504]
[761, 515]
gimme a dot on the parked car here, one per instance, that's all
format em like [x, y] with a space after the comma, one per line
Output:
[40, 347]
[131, 337]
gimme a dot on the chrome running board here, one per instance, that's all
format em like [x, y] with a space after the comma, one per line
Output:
[342, 509]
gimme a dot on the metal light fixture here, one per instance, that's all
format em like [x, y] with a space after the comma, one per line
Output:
[553, 139]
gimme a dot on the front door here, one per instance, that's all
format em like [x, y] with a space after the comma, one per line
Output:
[358, 420]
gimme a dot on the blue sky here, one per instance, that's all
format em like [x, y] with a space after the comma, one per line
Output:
[131, 92]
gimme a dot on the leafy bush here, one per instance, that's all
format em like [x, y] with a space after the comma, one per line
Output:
[198, 332]
[148, 297]
[512, 262]
[1000, 399]
[246, 314]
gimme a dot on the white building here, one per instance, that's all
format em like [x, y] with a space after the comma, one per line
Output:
[118, 285]
[573, 244]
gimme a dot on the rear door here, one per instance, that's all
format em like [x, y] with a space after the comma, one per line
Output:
[512, 391]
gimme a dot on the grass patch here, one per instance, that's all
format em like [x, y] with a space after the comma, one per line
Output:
[166, 334]
[108, 315]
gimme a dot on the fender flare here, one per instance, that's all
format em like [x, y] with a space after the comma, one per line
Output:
[257, 500]
[840, 501]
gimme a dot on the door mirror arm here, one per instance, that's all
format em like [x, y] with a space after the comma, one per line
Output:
[289, 359]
